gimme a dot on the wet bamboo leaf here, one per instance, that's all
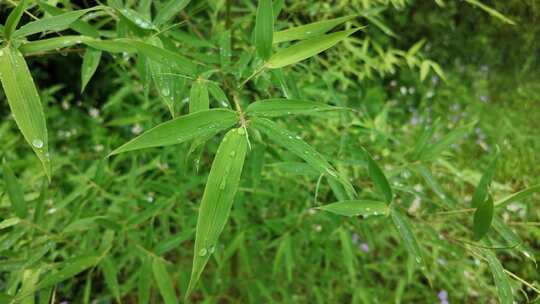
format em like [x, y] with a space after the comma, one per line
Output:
[483, 216]
[307, 48]
[168, 11]
[281, 107]
[403, 227]
[13, 19]
[364, 208]
[25, 103]
[81, 27]
[198, 97]
[51, 44]
[379, 179]
[502, 282]
[217, 199]
[517, 196]
[264, 29]
[138, 19]
[164, 282]
[54, 23]
[182, 129]
[300, 148]
[90, 63]
[481, 191]
[15, 193]
[309, 30]
[218, 94]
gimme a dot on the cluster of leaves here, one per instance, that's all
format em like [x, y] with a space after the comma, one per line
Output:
[233, 78]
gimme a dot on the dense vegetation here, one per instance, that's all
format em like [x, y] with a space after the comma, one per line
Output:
[354, 151]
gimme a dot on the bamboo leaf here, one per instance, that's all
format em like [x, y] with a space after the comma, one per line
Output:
[217, 199]
[297, 146]
[424, 70]
[198, 97]
[309, 30]
[264, 29]
[144, 280]
[138, 19]
[517, 196]
[164, 282]
[168, 11]
[379, 179]
[25, 103]
[502, 282]
[13, 19]
[481, 191]
[15, 193]
[51, 44]
[283, 258]
[219, 95]
[81, 27]
[182, 129]
[54, 23]
[364, 208]
[491, 11]
[90, 63]
[349, 258]
[111, 277]
[281, 107]
[483, 216]
[307, 48]
[403, 227]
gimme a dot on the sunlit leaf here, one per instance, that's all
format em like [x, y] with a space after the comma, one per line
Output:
[282, 107]
[364, 208]
[182, 129]
[164, 281]
[307, 48]
[483, 216]
[89, 66]
[309, 30]
[25, 103]
[264, 29]
[491, 11]
[217, 199]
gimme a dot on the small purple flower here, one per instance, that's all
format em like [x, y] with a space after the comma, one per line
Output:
[364, 247]
[443, 296]
[355, 238]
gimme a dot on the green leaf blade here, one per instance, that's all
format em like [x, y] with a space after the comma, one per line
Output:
[164, 282]
[13, 19]
[403, 227]
[502, 282]
[199, 99]
[281, 107]
[91, 60]
[15, 193]
[182, 129]
[54, 23]
[379, 179]
[483, 217]
[217, 199]
[264, 29]
[364, 208]
[309, 30]
[170, 9]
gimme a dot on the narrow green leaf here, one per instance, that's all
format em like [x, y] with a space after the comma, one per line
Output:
[379, 179]
[483, 216]
[25, 103]
[13, 19]
[502, 282]
[364, 208]
[297, 146]
[481, 191]
[264, 29]
[283, 258]
[219, 95]
[198, 97]
[309, 30]
[217, 199]
[164, 282]
[281, 107]
[512, 238]
[51, 44]
[29, 280]
[491, 11]
[403, 227]
[54, 23]
[182, 129]
[349, 258]
[144, 281]
[15, 193]
[307, 48]
[111, 277]
[81, 27]
[138, 19]
[89, 66]
[517, 196]
[9, 222]
[168, 11]
[424, 70]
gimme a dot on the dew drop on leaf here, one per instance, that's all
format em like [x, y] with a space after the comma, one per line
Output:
[38, 143]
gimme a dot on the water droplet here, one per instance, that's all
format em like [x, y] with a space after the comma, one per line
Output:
[203, 252]
[211, 249]
[38, 143]
[222, 185]
[165, 91]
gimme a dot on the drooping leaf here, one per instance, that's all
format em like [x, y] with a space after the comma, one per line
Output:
[502, 282]
[51, 44]
[300, 148]
[198, 97]
[13, 19]
[15, 193]
[54, 23]
[307, 48]
[25, 103]
[182, 129]
[379, 179]
[280, 107]
[483, 216]
[481, 191]
[264, 29]
[310, 30]
[217, 199]
[403, 227]
[89, 66]
[364, 208]
[169, 10]
[164, 282]
[517, 196]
